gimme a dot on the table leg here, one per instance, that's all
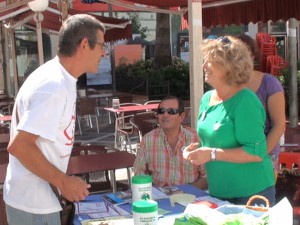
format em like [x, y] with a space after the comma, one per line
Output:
[113, 180]
[129, 177]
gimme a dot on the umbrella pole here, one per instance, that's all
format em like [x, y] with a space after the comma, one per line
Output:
[38, 18]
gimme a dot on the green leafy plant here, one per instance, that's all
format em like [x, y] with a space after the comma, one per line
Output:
[176, 75]
[284, 79]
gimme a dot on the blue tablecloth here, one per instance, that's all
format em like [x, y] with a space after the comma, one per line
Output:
[162, 203]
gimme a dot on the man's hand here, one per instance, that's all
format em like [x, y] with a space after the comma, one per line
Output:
[74, 188]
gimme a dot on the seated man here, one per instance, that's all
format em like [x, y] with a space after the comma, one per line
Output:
[160, 153]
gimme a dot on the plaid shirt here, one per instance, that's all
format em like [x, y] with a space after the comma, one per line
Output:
[156, 157]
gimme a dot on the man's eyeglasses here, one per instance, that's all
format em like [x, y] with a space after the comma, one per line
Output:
[103, 45]
[170, 111]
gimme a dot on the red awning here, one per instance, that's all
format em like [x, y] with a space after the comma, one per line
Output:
[226, 12]
[117, 29]
[251, 11]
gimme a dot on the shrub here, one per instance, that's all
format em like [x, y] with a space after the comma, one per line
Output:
[284, 79]
[177, 74]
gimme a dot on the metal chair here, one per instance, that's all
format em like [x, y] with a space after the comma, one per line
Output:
[126, 113]
[152, 102]
[100, 181]
[187, 118]
[86, 108]
[123, 131]
[144, 122]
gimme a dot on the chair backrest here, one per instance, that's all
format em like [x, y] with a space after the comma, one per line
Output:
[123, 123]
[88, 150]
[4, 128]
[125, 98]
[152, 102]
[128, 113]
[187, 119]
[144, 122]
[288, 180]
[289, 160]
[86, 106]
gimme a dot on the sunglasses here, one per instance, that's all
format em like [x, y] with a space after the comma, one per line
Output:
[170, 111]
[224, 40]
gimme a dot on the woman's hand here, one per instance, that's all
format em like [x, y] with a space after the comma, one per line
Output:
[188, 149]
[197, 156]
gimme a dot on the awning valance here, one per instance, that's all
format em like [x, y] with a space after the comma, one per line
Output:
[226, 12]
[117, 29]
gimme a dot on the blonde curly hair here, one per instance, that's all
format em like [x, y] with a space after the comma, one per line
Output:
[231, 53]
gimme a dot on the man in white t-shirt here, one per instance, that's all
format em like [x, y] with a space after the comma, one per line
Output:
[43, 123]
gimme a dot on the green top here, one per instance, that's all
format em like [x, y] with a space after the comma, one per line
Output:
[236, 122]
[144, 206]
[141, 179]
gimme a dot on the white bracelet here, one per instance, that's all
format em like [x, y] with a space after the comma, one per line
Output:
[213, 154]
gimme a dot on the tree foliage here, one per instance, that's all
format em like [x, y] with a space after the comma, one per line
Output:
[137, 27]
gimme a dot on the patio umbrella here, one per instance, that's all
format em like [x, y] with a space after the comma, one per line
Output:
[17, 14]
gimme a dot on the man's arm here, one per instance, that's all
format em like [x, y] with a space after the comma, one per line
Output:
[23, 147]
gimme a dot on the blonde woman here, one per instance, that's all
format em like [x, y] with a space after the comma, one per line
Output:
[231, 127]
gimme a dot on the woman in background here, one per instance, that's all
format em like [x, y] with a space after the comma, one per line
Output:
[271, 94]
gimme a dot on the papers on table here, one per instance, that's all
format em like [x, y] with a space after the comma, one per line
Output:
[108, 221]
[216, 201]
[124, 197]
[118, 198]
[99, 209]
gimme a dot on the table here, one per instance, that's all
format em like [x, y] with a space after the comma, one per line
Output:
[6, 118]
[167, 219]
[101, 162]
[4, 139]
[132, 108]
[3, 168]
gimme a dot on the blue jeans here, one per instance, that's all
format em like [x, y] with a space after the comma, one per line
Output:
[19, 217]
[269, 193]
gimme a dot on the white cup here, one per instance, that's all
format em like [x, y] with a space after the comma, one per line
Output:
[115, 103]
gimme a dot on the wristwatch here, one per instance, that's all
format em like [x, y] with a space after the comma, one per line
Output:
[213, 154]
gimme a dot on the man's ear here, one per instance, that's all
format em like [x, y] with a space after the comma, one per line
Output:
[84, 44]
[182, 115]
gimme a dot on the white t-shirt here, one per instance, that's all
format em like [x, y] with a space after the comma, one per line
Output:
[46, 106]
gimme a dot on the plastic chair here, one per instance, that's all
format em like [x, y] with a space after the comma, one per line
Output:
[275, 64]
[144, 122]
[291, 161]
[86, 109]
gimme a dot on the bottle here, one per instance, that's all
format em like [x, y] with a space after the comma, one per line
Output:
[141, 186]
[145, 212]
